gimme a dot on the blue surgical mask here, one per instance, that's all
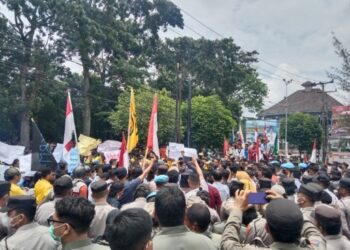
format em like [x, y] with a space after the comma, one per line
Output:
[52, 233]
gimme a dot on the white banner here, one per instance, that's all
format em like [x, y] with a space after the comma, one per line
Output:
[58, 152]
[111, 155]
[191, 152]
[25, 163]
[108, 146]
[174, 150]
[8, 153]
[2, 171]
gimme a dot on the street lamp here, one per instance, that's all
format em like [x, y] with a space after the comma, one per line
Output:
[286, 125]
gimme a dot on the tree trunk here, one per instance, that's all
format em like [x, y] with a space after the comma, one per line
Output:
[24, 116]
[87, 102]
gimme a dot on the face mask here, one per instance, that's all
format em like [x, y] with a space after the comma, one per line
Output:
[5, 220]
[52, 233]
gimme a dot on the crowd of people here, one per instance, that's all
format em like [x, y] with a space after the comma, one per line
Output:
[185, 204]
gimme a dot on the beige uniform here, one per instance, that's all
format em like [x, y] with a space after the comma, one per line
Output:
[83, 245]
[337, 242]
[344, 206]
[230, 237]
[138, 203]
[29, 237]
[180, 238]
[44, 211]
[215, 238]
[98, 224]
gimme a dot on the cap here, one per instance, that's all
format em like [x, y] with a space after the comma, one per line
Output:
[288, 165]
[151, 195]
[288, 182]
[327, 213]
[11, 172]
[278, 189]
[23, 202]
[98, 186]
[345, 183]
[63, 182]
[307, 179]
[265, 183]
[303, 165]
[324, 178]
[311, 190]
[4, 188]
[79, 172]
[161, 179]
[284, 215]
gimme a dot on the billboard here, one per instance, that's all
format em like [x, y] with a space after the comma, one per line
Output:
[272, 129]
[339, 138]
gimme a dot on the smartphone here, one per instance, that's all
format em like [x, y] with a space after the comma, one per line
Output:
[257, 198]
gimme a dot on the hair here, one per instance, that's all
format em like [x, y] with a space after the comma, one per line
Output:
[234, 168]
[170, 205]
[194, 178]
[130, 230]
[112, 161]
[142, 190]
[45, 172]
[249, 215]
[173, 176]
[77, 211]
[313, 167]
[297, 174]
[135, 172]
[28, 212]
[204, 195]
[233, 186]
[11, 177]
[162, 170]
[61, 191]
[225, 174]
[266, 172]
[115, 188]
[199, 215]
[217, 175]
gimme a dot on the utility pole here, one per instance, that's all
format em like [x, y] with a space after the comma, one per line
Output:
[286, 125]
[325, 119]
[189, 111]
[178, 104]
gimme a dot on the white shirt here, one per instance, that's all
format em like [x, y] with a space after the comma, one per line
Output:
[223, 190]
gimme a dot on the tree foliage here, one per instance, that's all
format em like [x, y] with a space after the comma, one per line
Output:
[302, 130]
[211, 121]
[144, 98]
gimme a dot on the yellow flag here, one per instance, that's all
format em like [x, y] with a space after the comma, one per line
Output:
[133, 135]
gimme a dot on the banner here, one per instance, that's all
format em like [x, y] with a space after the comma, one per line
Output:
[2, 171]
[58, 152]
[271, 126]
[8, 153]
[25, 164]
[109, 155]
[86, 144]
[191, 152]
[74, 159]
[109, 145]
[133, 134]
[41, 153]
[174, 150]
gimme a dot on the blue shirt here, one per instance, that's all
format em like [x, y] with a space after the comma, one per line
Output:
[129, 191]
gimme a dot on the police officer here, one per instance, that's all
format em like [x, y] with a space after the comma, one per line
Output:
[344, 205]
[329, 222]
[306, 198]
[29, 235]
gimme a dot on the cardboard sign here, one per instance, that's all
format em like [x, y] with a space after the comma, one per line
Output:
[108, 146]
[74, 159]
[174, 150]
[191, 152]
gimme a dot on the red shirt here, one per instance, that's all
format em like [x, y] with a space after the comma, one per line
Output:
[214, 198]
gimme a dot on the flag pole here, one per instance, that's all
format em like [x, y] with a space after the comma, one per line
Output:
[70, 101]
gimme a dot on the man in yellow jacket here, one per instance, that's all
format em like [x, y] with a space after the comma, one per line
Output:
[43, 187]
[13, 175]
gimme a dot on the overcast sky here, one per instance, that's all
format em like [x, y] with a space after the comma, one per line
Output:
[295, 36]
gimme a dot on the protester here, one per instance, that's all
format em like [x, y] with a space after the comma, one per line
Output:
[62, 188]
[116, 190]
[222, 188]
[141, 193]
[4, 196]
[70, 224]
[43, 187]
[130, 230]
[170, 206]
[329, 222]
[79, 186]
[13, 175]
[29, 235]
[102, 208]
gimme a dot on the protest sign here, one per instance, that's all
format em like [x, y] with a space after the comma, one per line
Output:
[109, 155]
[74, 159]
[86, 144]
[191, 152]
[25, 163]
[58, 152]
[174, 150]
[108, 146]
[2, 171]
[8, 153]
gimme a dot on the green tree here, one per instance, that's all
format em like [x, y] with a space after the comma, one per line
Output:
[211, 121]
[216, 67]
[144, 98]
[302, 130]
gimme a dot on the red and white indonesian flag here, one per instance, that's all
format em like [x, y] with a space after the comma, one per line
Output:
[241, 136]
[124, 155]
[152, 140]
[69, 130]
[313, 154]
[258, 155]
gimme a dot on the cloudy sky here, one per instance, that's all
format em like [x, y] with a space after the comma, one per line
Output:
[293, 38]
